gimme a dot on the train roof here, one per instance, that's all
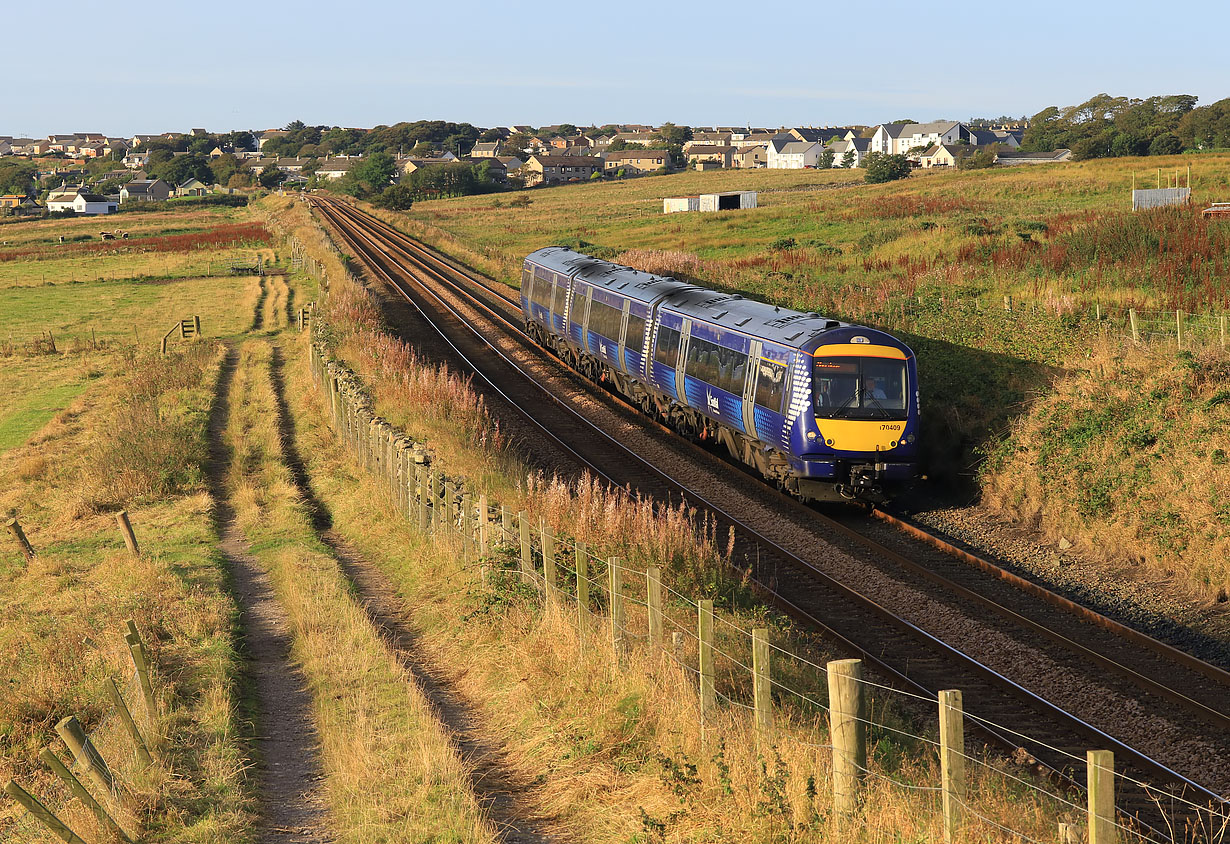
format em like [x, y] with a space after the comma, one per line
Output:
[768, 322]
[635, 284]
[728, 310]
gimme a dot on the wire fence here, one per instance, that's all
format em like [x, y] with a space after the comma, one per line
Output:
[511, 546]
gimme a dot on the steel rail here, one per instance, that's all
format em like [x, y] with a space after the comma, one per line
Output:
[1123, 751]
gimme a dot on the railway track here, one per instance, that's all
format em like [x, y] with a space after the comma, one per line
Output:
[1030, 663]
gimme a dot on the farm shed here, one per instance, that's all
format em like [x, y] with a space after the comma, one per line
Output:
[674, 204]
[728, 201]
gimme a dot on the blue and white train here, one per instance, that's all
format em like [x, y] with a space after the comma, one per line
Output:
[825, 409]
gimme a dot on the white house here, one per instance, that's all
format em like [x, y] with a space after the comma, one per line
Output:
[792, 155]
[80, 202]
[900, 138]
[858, 147]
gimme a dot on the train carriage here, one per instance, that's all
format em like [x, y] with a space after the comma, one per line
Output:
[826, 409]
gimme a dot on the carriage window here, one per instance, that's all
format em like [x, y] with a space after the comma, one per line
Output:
[667, 350]
[770, 384]
[605, 320]
[724, 368]
[636, 333]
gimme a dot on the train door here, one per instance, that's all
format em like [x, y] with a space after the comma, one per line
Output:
[685, 339]
[749, 389]
[623, 335]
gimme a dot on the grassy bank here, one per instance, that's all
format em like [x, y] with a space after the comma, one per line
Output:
[613, 751]
[932, 258]
[391, 773]
[138, 444]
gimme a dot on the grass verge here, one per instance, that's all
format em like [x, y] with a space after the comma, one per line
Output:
[391, 773]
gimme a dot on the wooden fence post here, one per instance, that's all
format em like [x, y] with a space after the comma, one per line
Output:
[849, 739]
[196, 325]
[527, 558]
[506, 531]
[53, 764]
[433, 513]
[1132, 323]
[140, 661]
[467, 532]
[14, 527]
[616, 585]
[1178, 327]
[762, 688]
[1069, 833]
[1101, 781]
[582, 565]
[548, 564]
[952, 761]
[42, 813]
[130, 538]
[73, 735]
[704, 632]
[449, 516]
[484, 526]
[1222, 324]
[653, 601]
[117, 700]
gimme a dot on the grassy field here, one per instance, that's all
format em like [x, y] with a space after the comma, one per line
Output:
[613, 753]
[59, 336]
[932, 259]
[96, 420]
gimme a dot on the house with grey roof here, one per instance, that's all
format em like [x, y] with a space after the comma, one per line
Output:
[790, 154]
[146, 190]
[850, 152]
[491, 150]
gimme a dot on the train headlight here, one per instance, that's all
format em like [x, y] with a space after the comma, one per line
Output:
[811, 435]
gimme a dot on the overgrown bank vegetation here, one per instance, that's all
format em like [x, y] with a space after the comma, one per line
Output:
[138, 445]
[611, 751]
[995, 278]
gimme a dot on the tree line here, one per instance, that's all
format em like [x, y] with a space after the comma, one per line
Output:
[1104, 126]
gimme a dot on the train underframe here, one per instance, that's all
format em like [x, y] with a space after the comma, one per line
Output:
[854, 480]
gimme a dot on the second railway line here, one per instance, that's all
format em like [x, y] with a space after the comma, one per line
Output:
[1144, 697]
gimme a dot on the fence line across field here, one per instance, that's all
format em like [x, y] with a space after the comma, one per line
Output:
[383, 451]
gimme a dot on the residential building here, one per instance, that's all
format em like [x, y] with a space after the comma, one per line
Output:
[17, 204]
[859, 147]
[823, 134]
[145, 190]
[409, 165]
[645, 139]
[755, 139]
[334, 168]
[945, 155]
[491, 150]
[510, 162]
[192, 187]
[546, 169]
[636, 162]
[6, 148]
[750, 158]
[900, 138]
[718, 156]
[497, 171]
[136, 160]
[268, 135]
[138, 140]
[79, 201]
[986, 137]
[708, 139]
[792, 154]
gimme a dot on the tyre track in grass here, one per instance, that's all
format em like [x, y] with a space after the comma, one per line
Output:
[504, 795]
[288, 773]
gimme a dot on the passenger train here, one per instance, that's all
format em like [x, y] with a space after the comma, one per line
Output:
[825, 409]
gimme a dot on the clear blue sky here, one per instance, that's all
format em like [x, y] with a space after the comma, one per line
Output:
[122, 69]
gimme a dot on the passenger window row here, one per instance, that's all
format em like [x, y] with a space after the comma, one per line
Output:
[724, 368]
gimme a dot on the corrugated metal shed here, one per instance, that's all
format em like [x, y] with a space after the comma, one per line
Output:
[727, 201]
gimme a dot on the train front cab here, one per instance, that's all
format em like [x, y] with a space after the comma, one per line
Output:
[857, 438]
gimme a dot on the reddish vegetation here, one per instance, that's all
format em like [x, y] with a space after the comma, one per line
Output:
[900, 207]
[219, 237]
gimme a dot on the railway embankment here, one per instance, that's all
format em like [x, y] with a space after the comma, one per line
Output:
[615, 748]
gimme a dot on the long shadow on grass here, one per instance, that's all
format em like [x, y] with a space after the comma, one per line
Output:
[504, 796]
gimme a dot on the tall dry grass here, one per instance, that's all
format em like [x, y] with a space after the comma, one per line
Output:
[65, 614]
[617, 749]
[391, 773]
